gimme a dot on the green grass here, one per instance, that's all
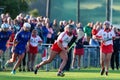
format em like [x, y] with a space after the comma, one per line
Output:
[83, 74]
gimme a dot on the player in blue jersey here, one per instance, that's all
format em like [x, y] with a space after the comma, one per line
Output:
[19, 46]
[4, 36]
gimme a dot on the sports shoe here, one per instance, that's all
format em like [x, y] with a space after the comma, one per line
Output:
[13, 72]
[102, 71]
[36, 69]
[106, 73]
[28, 69]
[24, 70]
[60, 74]
[72, 68]
[20, 69]
[117, 68]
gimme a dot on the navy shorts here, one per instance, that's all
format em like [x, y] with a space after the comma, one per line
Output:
[19, 51]
[2, 48]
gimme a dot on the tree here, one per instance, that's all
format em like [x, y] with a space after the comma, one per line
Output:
[34, 12]
[14, 7]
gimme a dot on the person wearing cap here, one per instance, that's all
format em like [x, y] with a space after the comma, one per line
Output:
[19, 46]
[106, 36]
[4, 37]
[60, 47]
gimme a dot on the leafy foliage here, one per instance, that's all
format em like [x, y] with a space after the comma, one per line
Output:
[34, 12]
[14, 7]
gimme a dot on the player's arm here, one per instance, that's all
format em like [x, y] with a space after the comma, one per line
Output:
[98, 36]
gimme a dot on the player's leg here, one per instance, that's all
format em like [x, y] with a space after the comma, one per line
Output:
[102, 61]
[13, 59]
[64, 57]
[107, 60]
[32, 61]
[50, 58]
[79, 59]
[73, 61]
[20, 58]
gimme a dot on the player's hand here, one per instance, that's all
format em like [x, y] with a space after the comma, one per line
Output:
[103, 41]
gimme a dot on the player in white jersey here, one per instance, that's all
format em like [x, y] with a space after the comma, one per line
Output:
[35, 40]
[60, 47]
[106, 36]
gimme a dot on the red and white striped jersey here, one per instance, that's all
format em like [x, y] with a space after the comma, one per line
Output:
[106, 36]
[34, 40]
[64, 38]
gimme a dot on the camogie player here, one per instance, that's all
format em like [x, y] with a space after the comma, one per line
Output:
[4, 36]
[106, 35]
[60, 47]
[19, 46]
[35, 40]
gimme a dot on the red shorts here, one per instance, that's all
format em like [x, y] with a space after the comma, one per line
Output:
[107, 49]
[33, 50]
[79, 51]
[56, 48]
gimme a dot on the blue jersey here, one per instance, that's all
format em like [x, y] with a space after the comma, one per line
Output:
[4, 36]
[22, 37]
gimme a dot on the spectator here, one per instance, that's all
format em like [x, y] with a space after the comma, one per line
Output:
[50, 33]
[88, 31]
[115, 54]
[4, 37]
[56, 29]
[78, 50]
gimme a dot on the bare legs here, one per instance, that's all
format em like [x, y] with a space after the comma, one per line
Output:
[105, 59]
[50, 58]
[31, 61]
[73, 61]
[64, 57]
[13, 59]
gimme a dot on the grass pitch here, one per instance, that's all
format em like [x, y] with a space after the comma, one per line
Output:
[83, 74]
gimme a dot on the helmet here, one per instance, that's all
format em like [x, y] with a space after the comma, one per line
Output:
[107, 23]
[69, 26]
[4, 25]
[27, 25]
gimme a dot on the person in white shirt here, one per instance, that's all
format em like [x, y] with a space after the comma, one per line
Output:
[106, 35]
[60, 47]
[35, 40]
